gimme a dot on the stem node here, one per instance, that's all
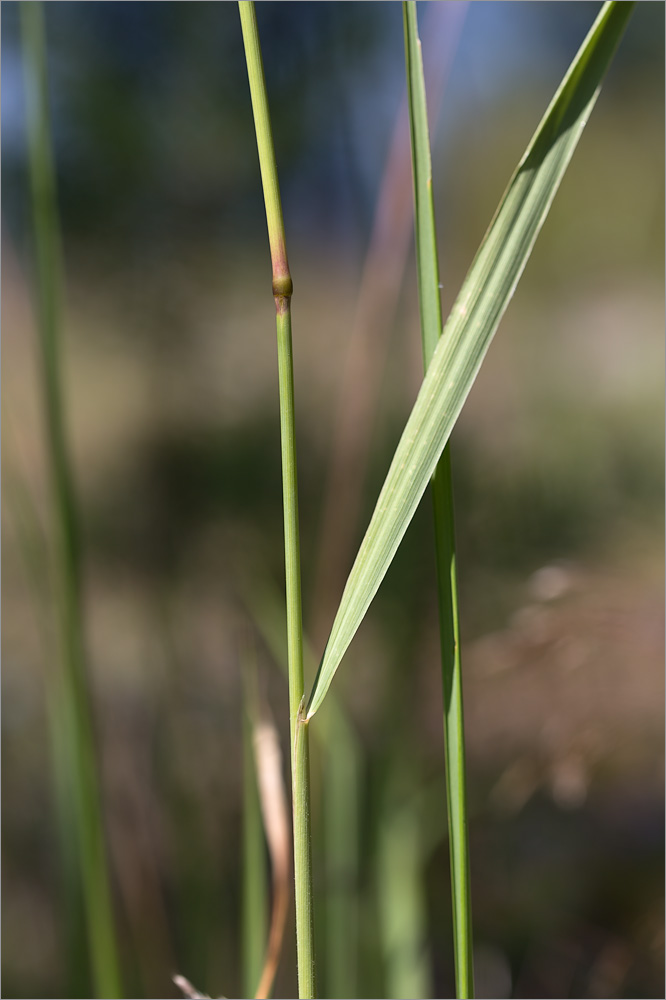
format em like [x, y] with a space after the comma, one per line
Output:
[283, 286]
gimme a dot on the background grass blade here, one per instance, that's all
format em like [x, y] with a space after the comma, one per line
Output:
[482, 301]
[32, 544]
[402, 900]
[442, 495]
[75, 743]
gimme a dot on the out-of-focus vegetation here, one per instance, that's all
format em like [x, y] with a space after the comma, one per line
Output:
[172, 415]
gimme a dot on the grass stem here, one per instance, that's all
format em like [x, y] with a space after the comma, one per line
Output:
[442, 493]
[282, 291]
[75, 723]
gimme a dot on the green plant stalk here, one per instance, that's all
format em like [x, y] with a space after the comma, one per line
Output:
[75, 715]
[442, 495]
[282, 291]
[454, 728]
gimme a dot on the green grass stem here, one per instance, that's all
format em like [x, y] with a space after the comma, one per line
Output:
[282, 290]
[75, 742]
[442, 495]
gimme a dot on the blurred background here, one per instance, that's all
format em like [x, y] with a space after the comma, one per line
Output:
[170, 390]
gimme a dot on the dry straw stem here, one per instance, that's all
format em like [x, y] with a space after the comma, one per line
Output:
[483, 299]
[255, 874]
[442, 494]
[282, 290]
[188, 990]
[276, 825]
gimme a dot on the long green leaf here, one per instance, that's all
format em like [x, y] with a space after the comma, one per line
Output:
[424, 214]
[482, 301]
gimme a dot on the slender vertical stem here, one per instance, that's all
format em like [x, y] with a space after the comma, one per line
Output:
[442, 493]
[282, 290]
[74, 708]
[454, 728]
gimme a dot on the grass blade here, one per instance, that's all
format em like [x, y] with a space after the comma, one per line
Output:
[442, 494]
[74, 715]
[403, 910]
[482, 301]
[32, 545]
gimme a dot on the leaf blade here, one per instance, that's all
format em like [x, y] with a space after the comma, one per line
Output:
[483, 299]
